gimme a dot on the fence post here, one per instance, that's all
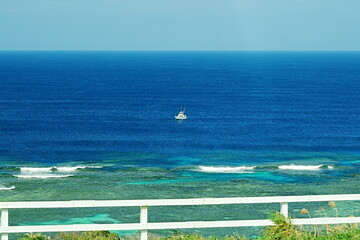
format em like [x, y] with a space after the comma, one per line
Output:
[143, 220]
[284, 209]
[4, 222]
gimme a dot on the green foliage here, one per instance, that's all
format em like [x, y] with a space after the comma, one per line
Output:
[95, 235]
[282, 230]
[340, 235]
[194, 236]
[233, 237]
[181, 236]
[36, 236]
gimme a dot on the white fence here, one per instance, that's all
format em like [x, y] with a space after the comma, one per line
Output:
[144, 225]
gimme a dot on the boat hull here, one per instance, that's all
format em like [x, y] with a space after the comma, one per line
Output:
[180, 118]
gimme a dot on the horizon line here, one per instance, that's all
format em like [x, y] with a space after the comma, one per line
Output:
[171, 50]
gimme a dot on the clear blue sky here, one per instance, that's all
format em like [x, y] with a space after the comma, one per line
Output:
[180, 24]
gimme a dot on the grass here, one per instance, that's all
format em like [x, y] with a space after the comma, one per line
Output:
[95, 235]
[284, 230]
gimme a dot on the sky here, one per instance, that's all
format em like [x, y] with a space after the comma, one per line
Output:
[180, 25]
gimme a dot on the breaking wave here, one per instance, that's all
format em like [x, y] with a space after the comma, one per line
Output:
[304, 167]
[49, 172]
[71, 169]
[7, 188]
[54, 169]
[246, 169]
[212, 169]
[36, 169]
[43, 176]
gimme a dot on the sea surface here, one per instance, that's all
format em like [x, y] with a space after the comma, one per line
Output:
[100, 125]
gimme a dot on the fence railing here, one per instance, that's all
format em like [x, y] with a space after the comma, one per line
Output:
[144, 225]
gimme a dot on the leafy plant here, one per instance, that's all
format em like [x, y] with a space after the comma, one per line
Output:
[94, 235]
[36, 236]
[282, 230]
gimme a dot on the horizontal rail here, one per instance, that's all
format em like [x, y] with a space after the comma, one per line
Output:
[178, 202]
[135, 226]
[172, 225]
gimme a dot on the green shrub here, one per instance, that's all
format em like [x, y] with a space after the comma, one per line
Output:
[342, 233]
[194, 236]
[95, 235]
[181, 236]
[282, 230]
[36, 236]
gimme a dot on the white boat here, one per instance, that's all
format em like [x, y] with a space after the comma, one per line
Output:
[181, 115]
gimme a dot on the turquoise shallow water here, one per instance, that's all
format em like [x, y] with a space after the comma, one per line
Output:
[115, 178]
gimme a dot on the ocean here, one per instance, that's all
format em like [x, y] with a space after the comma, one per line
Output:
[80, 125]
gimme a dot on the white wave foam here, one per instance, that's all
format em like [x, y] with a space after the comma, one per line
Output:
[7, 188]
[66, 169]
[49, 172]
[51, 169]
[300, 167]
[212, 169]
[94, 166]
[71, 169]
[43, 176]
[36, 169]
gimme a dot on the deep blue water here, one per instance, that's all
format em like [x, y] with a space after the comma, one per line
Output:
[126, 101]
